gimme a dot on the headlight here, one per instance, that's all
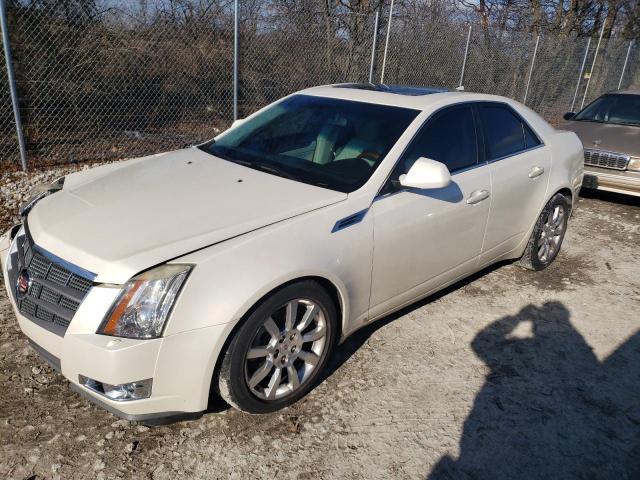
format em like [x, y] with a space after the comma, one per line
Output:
[142, 309]
[634, 164]
[38, 192]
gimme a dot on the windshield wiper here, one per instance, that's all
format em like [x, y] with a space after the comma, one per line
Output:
[266, 168]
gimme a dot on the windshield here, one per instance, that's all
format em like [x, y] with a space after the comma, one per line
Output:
[619, 109]
[331, 143]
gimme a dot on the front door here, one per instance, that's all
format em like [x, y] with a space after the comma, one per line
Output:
[425, 238]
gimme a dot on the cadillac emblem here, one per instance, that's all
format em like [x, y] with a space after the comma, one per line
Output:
[22, 284]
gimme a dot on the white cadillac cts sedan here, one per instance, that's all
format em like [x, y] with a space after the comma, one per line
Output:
[238, 265]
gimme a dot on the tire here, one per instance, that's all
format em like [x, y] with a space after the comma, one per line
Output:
[272, 339]
[552, 223]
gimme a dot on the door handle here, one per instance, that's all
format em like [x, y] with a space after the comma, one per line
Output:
[536, 172]
[477, 196]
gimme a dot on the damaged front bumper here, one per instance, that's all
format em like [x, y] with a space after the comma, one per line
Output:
[180, 388]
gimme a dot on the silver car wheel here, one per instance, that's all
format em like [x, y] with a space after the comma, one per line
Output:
[286, 349]
[551, 234]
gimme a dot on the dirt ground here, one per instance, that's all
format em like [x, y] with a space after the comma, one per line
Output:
[511, 374]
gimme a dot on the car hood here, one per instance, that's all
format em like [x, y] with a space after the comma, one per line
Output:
[613, 138]
[123, 218]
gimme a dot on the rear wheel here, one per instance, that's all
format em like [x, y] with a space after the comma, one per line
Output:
[548, 234]
[278, 353]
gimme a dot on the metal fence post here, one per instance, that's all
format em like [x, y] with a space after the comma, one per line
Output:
[236, 34]
[533, 61]
[386, 43]
[593, 64]
[12, 84]
[624, 67]
[584, 62]
[373, 45]
[464, 61]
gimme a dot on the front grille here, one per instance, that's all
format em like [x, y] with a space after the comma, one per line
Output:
[56, 288]
[600, 158]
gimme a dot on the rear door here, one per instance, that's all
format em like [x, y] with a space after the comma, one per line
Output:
[519, 164]
[425, 238]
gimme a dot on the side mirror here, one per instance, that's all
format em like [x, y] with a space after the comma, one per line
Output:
[426, 173]
[569, 115]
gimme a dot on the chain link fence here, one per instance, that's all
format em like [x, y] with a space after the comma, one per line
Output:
[421, 52]
[287, 49]
[607, 72]
[9, 151]
[131, 79]
[116, 83]
[555, 74]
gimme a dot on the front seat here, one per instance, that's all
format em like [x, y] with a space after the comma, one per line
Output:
[364, 141]
[325, 144]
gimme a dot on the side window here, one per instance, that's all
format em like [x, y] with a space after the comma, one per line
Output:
[505, 132]
[530, 138]
[449, 138]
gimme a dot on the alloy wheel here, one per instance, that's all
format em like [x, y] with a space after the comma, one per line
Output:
[286, 349]
[551, 234]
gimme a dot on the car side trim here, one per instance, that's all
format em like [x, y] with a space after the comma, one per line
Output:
[349, 221]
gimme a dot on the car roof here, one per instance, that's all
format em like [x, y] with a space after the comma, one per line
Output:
[398, 89]
[628, 91]
[427, 99]
[417, 98]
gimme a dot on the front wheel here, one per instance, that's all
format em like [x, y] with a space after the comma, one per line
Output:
[548, 233]
[277, 354]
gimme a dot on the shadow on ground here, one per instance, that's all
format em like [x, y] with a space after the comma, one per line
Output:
[611, 197]
[549, 409]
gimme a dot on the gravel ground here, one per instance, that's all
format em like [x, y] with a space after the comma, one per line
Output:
[15, 186]
[511, 374]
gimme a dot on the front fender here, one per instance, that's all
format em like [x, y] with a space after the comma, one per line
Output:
[230, 277]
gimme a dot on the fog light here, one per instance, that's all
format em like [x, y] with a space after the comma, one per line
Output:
[120, 393]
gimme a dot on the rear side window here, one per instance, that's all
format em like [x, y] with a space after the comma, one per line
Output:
[530, 138]
[449, 138]
[505, 132]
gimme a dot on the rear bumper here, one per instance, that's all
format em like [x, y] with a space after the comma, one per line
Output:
[625, 182]
[181, 365]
